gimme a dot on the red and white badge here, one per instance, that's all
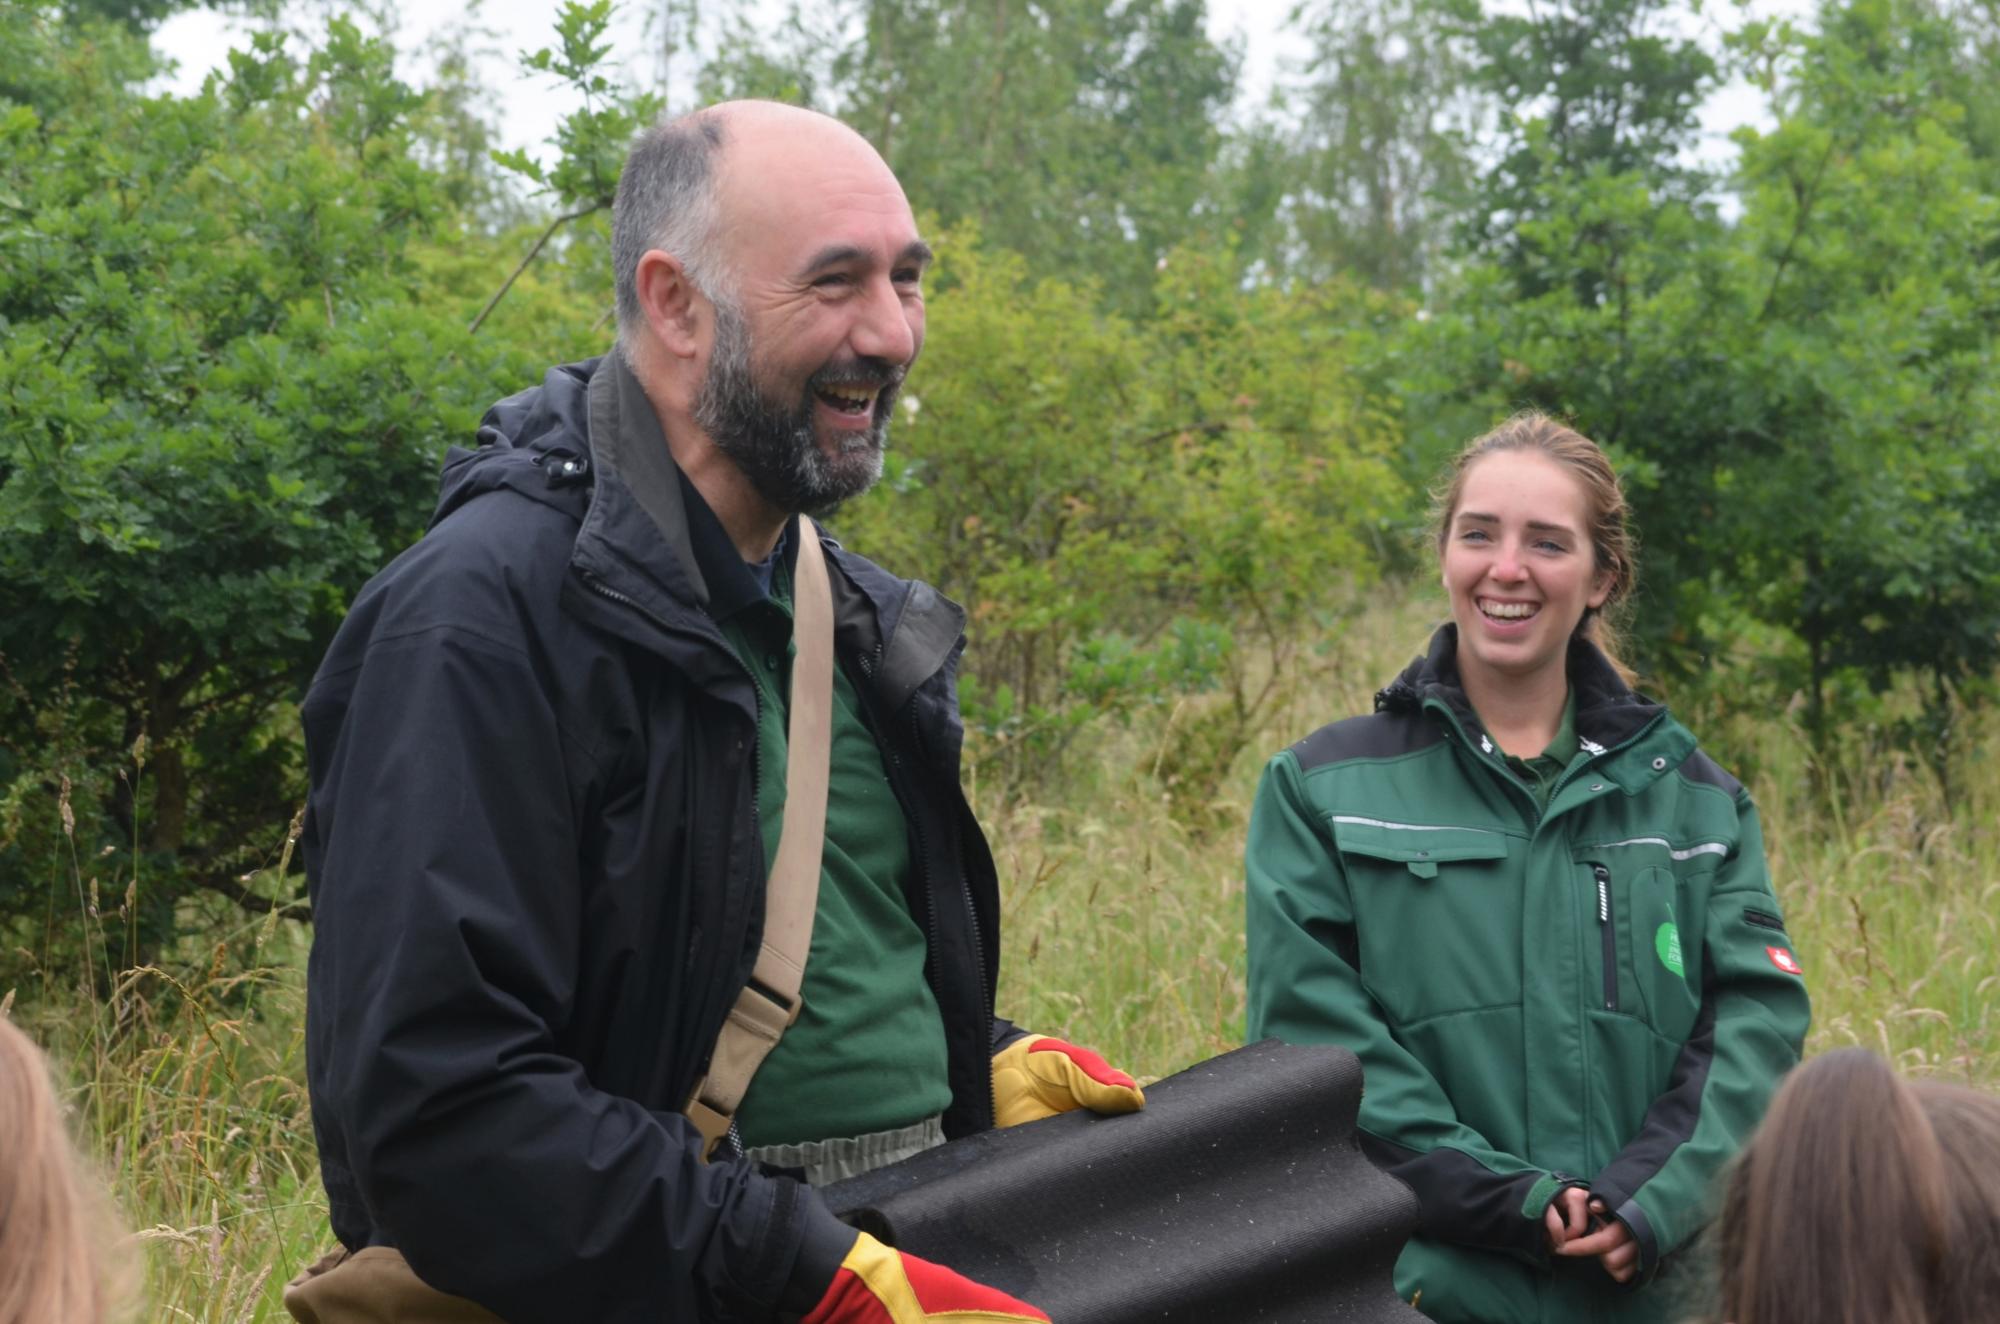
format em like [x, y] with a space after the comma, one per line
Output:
[1783, 960]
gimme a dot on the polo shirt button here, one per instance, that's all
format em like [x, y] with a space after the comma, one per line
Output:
[1659, 764]
[1597, 786]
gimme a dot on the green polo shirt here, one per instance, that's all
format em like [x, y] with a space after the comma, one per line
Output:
[1541, 773]
[868, 1051]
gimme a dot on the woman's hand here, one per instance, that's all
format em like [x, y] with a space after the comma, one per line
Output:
[1611, 1243]
[1567, 1217]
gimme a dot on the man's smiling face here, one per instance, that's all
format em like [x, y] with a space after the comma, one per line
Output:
[823, 316]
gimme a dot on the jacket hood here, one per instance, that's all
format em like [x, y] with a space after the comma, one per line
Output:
[562, 444]
[535, 443]
[1608, 711]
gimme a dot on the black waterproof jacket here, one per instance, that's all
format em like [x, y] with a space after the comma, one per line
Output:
[538, 885]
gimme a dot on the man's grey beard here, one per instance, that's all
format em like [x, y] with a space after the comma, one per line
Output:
[772, 442]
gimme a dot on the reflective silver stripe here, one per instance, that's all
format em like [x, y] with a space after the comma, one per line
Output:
[829, 1161]
[1705, 848]
[1408, 827]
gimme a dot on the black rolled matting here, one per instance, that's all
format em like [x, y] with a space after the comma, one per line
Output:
[1238, 1194]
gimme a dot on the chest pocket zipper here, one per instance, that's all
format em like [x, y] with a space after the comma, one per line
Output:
[1608, 932]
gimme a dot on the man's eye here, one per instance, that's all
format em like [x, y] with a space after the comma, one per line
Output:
[833, 280]
[908, 276]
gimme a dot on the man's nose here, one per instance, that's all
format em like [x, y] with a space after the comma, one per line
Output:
[884, 329]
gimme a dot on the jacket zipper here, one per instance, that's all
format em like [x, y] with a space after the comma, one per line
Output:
[898, 775]
[971, 919]
[934, 962]
[1609, 932]
[733, 1137]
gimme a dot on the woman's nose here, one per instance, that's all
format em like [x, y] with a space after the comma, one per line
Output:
[1507, 566]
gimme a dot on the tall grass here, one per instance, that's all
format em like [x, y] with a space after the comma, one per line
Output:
[1123, 929]
[1124, 925]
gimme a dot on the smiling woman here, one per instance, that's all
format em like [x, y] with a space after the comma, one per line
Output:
[1535, 910]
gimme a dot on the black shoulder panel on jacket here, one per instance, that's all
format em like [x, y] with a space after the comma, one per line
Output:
[1699, 767]
[1383, 735]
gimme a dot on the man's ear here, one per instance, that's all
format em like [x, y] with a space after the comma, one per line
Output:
[674, 309]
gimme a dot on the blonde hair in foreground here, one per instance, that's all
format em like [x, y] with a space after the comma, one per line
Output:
[53, 1225]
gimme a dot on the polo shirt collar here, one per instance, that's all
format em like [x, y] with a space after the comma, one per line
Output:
[732, 585]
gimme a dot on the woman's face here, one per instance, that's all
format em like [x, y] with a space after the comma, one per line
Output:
[1520, 567]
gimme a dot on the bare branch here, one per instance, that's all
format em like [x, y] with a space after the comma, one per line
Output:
[501, 293]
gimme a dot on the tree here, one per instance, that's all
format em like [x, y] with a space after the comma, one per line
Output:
[1135, 509]
[1581, 89]
[1803, 403]
[1876, 291]
[1378, 135]
[229, 367]
[1078, 134]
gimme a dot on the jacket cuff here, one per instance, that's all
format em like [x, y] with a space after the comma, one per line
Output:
[1462, 1200]
[823, 1244]
[1641, 1227]
[1541, 1194]
[1005, 1032]
[1544, 1191]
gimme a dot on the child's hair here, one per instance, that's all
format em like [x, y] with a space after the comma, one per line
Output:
[53, 1220]
[1864, 1199]
[1606, 511]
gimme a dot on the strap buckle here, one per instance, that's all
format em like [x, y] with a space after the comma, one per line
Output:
[760, 1017]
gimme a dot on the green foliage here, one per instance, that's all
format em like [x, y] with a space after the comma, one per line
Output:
[1150, 503]
[1078, 134]
[1802, 401]
[1179, 396]
[1878, 263]
[1376, 163]
[591, 141]
[224, 391]
[1582, 88]
[1185, 377]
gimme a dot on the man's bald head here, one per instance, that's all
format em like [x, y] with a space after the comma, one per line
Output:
[770, 285]
[687, 178]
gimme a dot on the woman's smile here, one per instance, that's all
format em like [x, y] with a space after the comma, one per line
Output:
[1519, 567]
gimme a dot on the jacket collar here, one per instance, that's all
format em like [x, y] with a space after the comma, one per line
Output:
[637, 541]
[1609, 713]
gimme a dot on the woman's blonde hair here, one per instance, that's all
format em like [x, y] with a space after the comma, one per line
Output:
[1605, 514]
[53, 1220]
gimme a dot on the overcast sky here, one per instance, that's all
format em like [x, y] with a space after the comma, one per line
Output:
[527, 108]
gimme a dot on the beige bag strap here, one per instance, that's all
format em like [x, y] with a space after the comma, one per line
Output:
[770, 1002]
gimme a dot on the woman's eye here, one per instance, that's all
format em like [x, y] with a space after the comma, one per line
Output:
[1472, 535]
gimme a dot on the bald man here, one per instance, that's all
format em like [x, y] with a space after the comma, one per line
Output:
[548, 761]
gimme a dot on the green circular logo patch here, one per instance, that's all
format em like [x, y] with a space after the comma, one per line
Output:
[1667, 942]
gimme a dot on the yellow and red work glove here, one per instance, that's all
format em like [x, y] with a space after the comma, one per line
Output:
[1036, 1077]
[880, 1285]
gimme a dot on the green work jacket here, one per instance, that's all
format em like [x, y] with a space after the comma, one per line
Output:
[1598, 994]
